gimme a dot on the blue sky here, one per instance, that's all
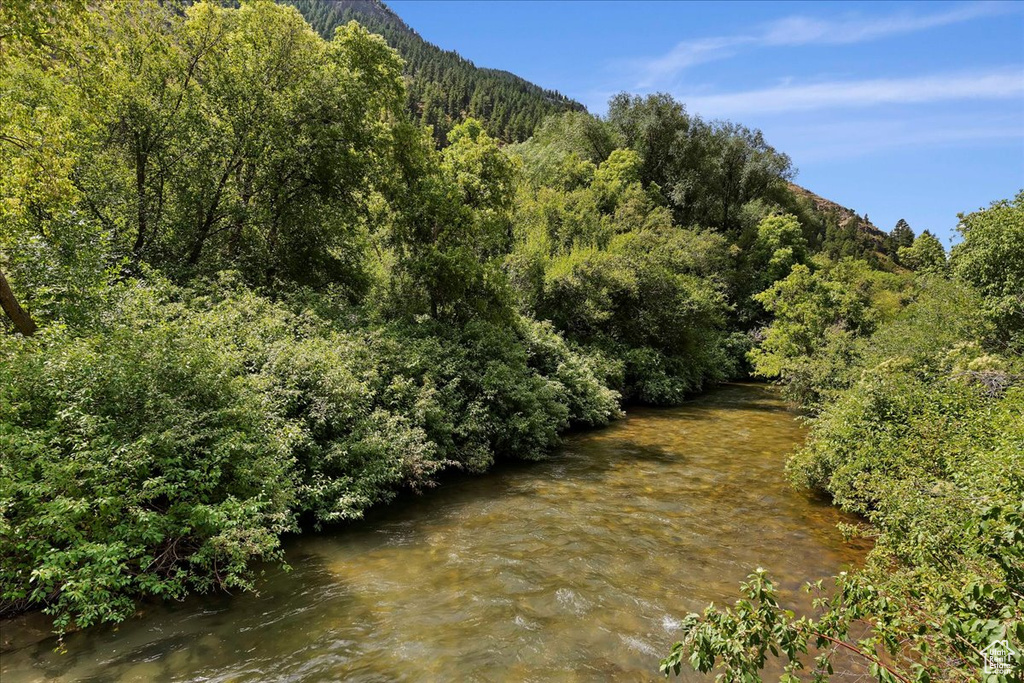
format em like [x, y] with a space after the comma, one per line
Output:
[898, 110]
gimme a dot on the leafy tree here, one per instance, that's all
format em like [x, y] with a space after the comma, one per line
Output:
[452, 221]
[652, 126]
[817, 316]
[926, 254]
[708, 171]
[779, 246]
[562, 142]
[600, 257]
[193, 141]
[50, 255]
[991, 257]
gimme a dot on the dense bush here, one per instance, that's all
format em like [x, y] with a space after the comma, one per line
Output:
[597, 254]
[174, 444]
[145, 459]
[929, 448]
[640, 301]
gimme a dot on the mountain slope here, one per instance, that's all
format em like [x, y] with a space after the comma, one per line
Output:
[444, 87]
[836, 229]
[845, 217]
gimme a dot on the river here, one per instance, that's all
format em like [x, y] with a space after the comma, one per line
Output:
[575, 568]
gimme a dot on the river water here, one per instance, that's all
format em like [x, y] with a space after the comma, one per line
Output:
[576, 568]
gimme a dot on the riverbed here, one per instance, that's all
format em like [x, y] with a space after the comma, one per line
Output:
[579, 567]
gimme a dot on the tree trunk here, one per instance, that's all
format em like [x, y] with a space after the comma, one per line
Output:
[141, 205]
[242, 215]
[21, 319]
[206, 224]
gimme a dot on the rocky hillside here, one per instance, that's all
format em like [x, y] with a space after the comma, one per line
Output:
[845, 217]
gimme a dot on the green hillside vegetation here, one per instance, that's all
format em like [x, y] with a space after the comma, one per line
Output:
[443, 88]
[247, 293]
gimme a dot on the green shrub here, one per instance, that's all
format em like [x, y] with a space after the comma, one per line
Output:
[141, 461]
[167, 449]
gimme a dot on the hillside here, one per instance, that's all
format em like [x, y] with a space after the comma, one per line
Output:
[837, 230]
[846, 217]
[443, 87]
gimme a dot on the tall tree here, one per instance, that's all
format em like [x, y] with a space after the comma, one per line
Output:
[900, 236]
[451, 218]
[233, 138]
[926, 254]
[991, 257]
[708, 171]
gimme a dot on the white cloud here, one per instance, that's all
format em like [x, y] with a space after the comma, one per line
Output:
[806, 31]
[995, 84]
[685, 55]
[798, 30]
[842, 140]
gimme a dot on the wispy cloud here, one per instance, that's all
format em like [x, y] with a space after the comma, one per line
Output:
[797, 30]
[992, 84]
[846, 139]
[687, 54]
[805, 31]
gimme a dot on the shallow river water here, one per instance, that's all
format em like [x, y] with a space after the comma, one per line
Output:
[576, 568]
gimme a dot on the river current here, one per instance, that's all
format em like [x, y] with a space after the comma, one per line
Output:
[578, 567]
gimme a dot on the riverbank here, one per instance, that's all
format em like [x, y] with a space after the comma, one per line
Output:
[580, 564]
